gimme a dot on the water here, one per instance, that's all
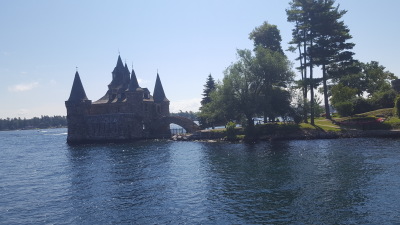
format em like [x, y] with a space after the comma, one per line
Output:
[343, 181]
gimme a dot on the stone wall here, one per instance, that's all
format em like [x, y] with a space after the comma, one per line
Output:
[109, 127]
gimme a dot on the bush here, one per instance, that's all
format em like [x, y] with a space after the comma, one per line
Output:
[397, 106]
[344, 108]
[383, 99]
[361, 105]
[230, 131]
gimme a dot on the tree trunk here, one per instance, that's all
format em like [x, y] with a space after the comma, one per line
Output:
[305, 83]
[249, 130]
[311, 87]
[327, 111]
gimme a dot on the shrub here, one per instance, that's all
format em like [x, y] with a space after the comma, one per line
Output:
[344, 108]
[397, 106]
[383, 99]
[361, 105]
[230, 131]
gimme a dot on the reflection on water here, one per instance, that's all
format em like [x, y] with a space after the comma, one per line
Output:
[344, 181]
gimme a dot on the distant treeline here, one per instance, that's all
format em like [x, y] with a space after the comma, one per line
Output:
[57, 121]
[35, 122]
[190, 115]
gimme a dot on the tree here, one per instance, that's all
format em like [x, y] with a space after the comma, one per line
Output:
[302, 36]
[376, 78]
[267, 36]
[323, 38]
[275, 71]
[221, 109]
[273, 65]
[342, 99]
[208, 88]
[330, 45]
[245, 87]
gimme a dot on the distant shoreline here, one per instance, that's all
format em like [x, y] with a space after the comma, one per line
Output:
[300, 135]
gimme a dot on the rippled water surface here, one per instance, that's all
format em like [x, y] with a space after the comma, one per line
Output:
[343, 181]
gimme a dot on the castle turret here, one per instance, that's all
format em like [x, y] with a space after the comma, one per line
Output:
[135, 94]
[119, 83]
[120, 76]
[78, 93]
[133, 85]
[158, 94]
[127, 74]
[161, 103]
[78, 106]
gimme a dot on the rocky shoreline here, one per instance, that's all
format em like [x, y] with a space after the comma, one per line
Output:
[300, 135]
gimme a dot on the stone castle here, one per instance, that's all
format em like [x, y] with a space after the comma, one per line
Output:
[126, 112]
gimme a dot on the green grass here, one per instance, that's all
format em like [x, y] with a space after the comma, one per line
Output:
[393, 122]
[377, 113]
[321, 124]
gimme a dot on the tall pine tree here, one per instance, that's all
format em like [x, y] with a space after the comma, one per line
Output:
[208, 88]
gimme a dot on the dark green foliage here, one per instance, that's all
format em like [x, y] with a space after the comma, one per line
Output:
[36, 122]
[397, 106]
[345, 108]
[362, 105]
[384, 99]
[276, 128]
[321, 39]
[230, 131]
[365, 123]
[267, 36]
[376, 78]
[190, 115]
[208, 88]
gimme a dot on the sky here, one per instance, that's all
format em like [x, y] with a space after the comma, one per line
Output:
[44, 42]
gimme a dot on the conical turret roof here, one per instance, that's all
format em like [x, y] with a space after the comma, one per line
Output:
[119, 62]
[77, 92]
[133, 85]
[159, 94]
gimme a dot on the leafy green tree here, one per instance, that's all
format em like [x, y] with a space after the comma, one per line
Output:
[397, 106]
[275, 72]
[221, 109]
[273, 65]
[376, 78]
[267, 36]
[244, 86]
[342, 99]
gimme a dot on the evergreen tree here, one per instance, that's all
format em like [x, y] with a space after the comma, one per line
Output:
[298, 14]
[208, 88]
[324, 39]
[331, 36]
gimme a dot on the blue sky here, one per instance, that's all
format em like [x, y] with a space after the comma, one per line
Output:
[42, 43]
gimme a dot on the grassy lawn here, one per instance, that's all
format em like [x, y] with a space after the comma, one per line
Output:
[322, 124]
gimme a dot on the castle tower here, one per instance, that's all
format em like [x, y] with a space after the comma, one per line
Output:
[78, 106]
[161, 104]
[133, 84]
[161, 101]
[135, 94]
[120, 80]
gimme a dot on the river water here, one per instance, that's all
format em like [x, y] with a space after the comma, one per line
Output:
[341, 181]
